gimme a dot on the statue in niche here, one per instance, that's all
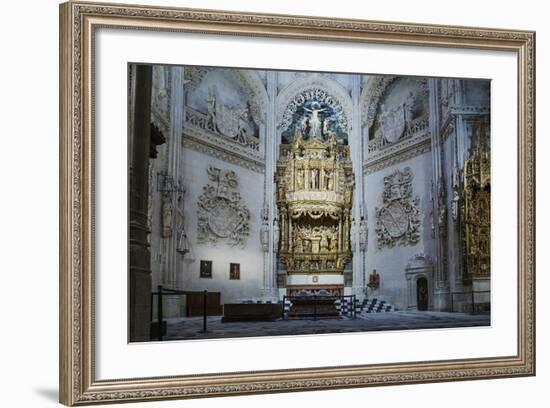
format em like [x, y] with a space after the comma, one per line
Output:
[314, 179]
[211, 121]
[324, 240]
[329, 183]
[166, 214]
[315, 122]
[333, 240]
[276, 234]
[299, 179]
[246, 132]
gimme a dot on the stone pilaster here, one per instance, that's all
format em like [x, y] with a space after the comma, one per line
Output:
[356, 147]
[271, 155]
[441, 281]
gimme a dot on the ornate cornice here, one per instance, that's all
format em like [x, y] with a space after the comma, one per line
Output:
[195, 139]
[400, 153]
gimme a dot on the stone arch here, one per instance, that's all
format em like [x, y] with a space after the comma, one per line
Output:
[339, 94]
[247, 79]
[376, 89]
[419, 266]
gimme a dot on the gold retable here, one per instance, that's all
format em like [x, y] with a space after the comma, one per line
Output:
[314, 197]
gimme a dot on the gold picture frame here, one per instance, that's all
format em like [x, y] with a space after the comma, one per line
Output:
[78, 24]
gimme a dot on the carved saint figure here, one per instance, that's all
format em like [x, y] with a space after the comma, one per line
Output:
[211, 122]
[314, 179]
[315, 122]
[276, 234]
[329, 184]
[333, 240]
[299, 179]
[324, 240]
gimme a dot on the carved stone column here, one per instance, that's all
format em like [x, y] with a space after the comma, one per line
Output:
[175, 143]
[442, 295]
[139, 254]
[356, 147]
[271, 151]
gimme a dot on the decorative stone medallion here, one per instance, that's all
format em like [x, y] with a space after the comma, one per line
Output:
[398, 220]
[221, 215]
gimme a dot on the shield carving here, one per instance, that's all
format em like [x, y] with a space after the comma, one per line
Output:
[224, 219]
[394, 219]
[393, 124]
[227, 120]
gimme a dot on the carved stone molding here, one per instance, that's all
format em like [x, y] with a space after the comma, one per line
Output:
[396, 154]
[201, 141]
[221, 215]
[398, 220]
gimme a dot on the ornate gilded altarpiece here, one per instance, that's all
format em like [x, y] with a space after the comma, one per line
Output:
[314, 196]
[476, 212]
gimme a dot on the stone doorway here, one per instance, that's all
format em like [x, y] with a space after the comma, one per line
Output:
[422, 294]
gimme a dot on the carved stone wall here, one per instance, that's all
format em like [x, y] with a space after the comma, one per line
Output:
[222, 217]
[398, 219]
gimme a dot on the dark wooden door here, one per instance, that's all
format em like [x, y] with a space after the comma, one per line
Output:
[422, 293]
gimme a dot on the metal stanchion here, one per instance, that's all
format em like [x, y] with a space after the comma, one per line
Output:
[204, 311]
[314, 307]
[159, 313]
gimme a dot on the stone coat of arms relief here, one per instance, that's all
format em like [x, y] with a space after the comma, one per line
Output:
[222, 217]
[398, 220]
